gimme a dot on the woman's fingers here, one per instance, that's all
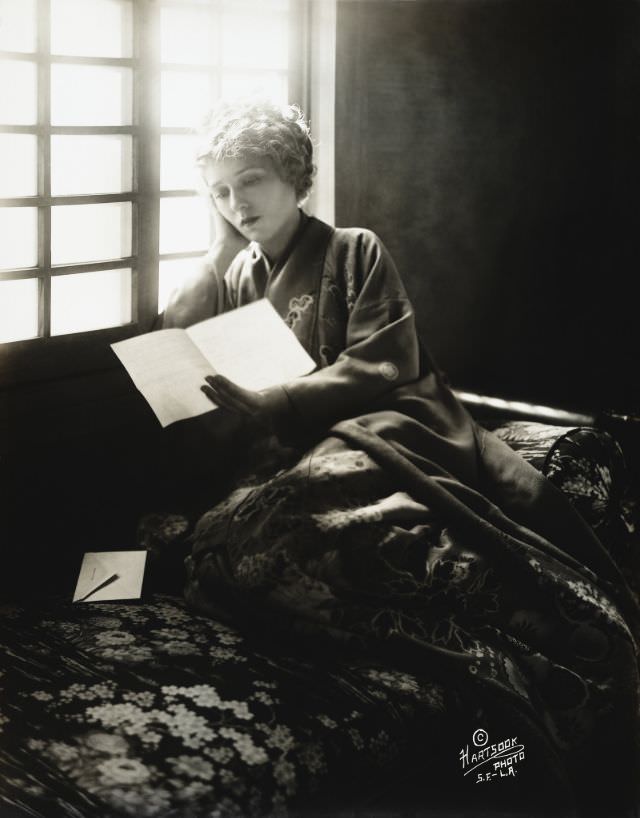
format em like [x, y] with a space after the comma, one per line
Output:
[211, 394]
[227, 387]
[222, 399]
[228, 394]
[224, 230]
[227, 243]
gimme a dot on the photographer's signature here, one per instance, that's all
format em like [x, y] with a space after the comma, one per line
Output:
[489, 761]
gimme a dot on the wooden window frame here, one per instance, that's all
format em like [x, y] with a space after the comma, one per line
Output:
[49, 357]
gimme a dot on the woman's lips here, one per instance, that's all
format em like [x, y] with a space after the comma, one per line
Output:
[249, 222]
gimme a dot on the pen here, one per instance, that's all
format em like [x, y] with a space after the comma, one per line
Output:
[102, 585]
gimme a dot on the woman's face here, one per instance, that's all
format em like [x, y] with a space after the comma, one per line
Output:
[250, 195]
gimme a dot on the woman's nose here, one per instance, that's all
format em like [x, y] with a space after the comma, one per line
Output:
[237, 202]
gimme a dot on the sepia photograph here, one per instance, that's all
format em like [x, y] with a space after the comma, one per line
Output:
[319, 409]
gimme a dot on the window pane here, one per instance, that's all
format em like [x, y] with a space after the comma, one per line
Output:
[18, 309]
[100, 28]
[18, 97]
[184, 224]
[173, 273]
[18, 165]
[178, 169]
[253, 39]
[186, 97]
[85, 301]
[251, 6]
[185, 35]
[90, 164]
[90, 95]
[18, 25]
[95, 232]
[272, 85]
[19, 231]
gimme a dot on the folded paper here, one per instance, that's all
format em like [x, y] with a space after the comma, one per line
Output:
[106, 576]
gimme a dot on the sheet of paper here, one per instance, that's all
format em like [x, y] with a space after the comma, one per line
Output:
[252, 346]
[122, 570]
[169, 371]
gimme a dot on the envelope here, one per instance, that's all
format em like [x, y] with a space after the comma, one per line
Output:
[107, 576]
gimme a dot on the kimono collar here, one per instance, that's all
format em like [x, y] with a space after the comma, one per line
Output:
[257, 254]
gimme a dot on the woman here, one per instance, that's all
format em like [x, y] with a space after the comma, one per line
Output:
[406, 528]
[338, 290]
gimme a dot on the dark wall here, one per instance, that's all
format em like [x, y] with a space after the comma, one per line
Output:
[81, 460]
[481, 139]
[622, 256]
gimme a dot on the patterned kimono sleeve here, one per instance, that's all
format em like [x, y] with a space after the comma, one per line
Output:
[381, 349]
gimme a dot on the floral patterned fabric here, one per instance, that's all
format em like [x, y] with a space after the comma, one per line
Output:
[151, 710]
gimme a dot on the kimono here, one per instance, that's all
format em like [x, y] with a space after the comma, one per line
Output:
[340, 293]
[403, 528]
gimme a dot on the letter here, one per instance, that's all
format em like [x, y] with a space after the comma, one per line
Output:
[464, 756]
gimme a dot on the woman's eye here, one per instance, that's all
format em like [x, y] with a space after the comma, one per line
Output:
[251, 180]
[221, 194]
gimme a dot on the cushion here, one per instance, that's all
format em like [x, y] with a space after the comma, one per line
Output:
[587, 464]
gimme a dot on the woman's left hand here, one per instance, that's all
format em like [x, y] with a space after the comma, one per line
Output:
[229, 395]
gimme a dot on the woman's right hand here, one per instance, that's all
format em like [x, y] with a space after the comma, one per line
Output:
[225, 232]
[227, 242]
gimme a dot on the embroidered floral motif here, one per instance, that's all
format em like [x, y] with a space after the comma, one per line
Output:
[351, 295]
[298, 306]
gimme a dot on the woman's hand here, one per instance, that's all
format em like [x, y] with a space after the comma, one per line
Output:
[261, 406]
[225, 232]
[228, 241]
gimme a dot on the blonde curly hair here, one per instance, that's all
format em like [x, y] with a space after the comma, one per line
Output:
[261, 128]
